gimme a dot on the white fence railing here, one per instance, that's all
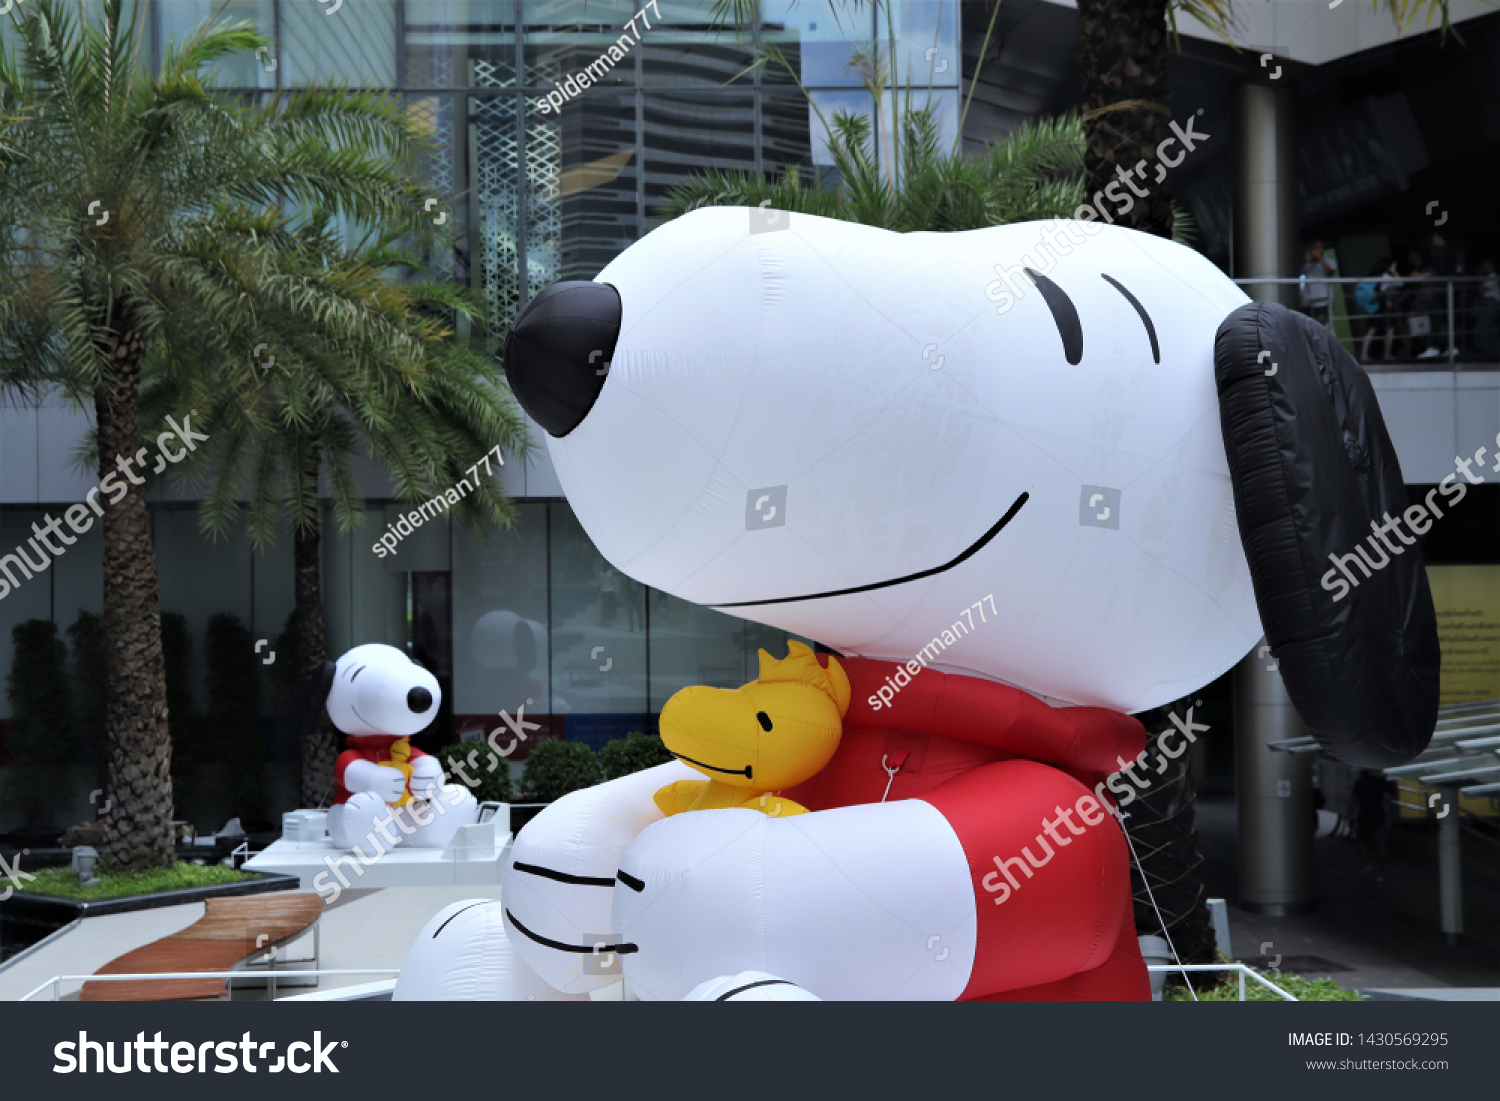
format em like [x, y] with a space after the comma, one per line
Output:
[56, 981]
[1177, 968]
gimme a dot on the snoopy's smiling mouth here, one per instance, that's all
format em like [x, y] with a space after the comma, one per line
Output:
[746, 772]
[974, 549]
[364, 720]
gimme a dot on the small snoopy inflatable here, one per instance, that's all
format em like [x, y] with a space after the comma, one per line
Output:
[379, 698]
[1023, 481]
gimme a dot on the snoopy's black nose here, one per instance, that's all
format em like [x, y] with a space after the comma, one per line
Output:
[558, 352]
[419, 700]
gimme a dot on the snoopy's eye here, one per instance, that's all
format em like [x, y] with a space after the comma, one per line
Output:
[763, 719]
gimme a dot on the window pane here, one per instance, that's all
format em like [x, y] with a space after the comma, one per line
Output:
[688, 132]
[598, 639]
[544, 178]
[27, 597]
[819, 38]
[325, 43]
[563, 37]
[444, 169]
[785, 130]
[595, 192]
[180, 18]
[445, 37]
[500, 638]
[682, 48]
[829, 106]
[495, 187]
[926, 42]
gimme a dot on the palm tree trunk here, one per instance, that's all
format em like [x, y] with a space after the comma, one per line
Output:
[320, 745]
[138, 822]
[1123, 53]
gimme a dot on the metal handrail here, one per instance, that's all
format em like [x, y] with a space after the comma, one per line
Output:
[1171, 968]
[1296, 279]
[56, 981]
[1454, 304]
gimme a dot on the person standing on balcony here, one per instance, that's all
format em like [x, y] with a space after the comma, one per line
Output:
[1370, 301]
[1445, 265]
[1422, 303]
[1390, 303]
[1487, 327]
[1316, 268]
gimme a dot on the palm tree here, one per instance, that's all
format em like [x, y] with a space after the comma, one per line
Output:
[1034, 173]
[301, 412]
[134, 218]
[1123, 48]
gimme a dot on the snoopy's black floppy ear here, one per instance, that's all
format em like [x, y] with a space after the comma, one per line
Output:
[1347, 612]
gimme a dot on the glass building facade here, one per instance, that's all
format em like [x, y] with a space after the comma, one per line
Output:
[529, 620]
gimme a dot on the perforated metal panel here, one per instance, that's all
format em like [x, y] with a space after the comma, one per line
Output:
[497, 175]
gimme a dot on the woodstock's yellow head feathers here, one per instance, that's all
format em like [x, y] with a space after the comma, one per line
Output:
[770, 734]
[800, 666]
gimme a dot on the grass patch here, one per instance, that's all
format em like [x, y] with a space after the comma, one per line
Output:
[1226, 988]
[64, 881]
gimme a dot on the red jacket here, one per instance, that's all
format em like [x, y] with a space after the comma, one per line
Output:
[367, 747]
[996, 762]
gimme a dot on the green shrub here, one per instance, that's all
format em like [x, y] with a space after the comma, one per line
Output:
[39, 734]
[1225, 987]
[632, 753]
[483, 764]
[556, 768]
[64, 881]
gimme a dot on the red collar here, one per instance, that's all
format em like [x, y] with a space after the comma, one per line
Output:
[371, 741]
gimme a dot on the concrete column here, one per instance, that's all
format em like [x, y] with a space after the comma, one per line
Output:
[1274, 791]
[1266, 238]
[1450, 866]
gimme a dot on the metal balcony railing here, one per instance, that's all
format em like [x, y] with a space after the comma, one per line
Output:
[1423, 322]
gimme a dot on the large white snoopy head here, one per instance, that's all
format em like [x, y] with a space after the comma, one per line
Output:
[378, 690]
[866, 438]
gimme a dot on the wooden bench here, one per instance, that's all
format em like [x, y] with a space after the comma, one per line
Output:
[230, 931]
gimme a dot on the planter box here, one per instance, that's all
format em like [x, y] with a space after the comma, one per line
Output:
[27, 916]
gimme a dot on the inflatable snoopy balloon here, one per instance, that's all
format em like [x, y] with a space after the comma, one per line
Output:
[379, 698]
[1022, 481]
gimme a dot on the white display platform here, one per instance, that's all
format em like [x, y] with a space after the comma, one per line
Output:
[475, 855]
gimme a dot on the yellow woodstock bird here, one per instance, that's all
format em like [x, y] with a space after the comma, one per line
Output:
[755, 740]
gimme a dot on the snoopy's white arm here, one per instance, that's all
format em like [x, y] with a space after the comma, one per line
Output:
[427, 777]
[558, 885]
[388, 783]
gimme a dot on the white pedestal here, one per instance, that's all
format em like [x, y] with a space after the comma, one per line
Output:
[475, 855]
